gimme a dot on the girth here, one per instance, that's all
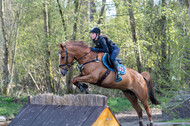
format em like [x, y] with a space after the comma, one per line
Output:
[103, 78]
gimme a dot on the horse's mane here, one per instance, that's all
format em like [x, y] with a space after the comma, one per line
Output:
[77, 43]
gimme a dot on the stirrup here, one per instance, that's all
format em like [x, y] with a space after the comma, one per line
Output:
[118, 78]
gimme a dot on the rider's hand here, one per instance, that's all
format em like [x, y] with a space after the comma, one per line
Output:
[93, 49]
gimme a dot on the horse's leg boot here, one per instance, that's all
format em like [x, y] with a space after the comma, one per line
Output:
[82, 87]
[141, 123]
[85, 88]
[151, 123]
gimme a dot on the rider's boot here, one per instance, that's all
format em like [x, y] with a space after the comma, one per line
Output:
[118, 77]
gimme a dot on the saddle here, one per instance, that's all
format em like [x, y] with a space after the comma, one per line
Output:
[108, 64]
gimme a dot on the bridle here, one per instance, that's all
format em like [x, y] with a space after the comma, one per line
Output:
[67, 62]
[77, 60]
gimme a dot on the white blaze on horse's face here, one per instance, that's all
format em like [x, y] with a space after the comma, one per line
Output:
[62, 71]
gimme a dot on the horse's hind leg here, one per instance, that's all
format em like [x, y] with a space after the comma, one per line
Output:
[133, 99]
[143, 97]
[148, 111]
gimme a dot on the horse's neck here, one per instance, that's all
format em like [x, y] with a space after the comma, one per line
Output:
[82, 55]
[87, 56]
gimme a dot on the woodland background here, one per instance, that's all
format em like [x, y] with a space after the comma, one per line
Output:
[153, 35]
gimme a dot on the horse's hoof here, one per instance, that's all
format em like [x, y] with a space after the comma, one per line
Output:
[87, 91]
[141, 123]
[151, 124]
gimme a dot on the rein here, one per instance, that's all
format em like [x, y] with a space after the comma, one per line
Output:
[77, 60]
[81, 66]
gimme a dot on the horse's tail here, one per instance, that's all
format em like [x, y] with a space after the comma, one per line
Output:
[150, 86]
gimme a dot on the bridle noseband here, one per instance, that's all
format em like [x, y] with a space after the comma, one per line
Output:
[67, 62]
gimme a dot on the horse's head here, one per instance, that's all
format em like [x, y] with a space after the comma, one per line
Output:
[65, 59]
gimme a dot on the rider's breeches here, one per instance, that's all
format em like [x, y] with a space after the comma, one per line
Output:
[114, 52]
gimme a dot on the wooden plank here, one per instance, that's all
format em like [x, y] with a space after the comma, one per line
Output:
[54, 115]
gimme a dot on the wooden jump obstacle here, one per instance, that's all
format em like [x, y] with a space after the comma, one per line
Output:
[67, 110]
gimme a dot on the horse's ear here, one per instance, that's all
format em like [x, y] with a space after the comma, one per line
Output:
[60, 45]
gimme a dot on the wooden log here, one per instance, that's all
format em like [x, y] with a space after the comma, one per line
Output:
[6, 123]
[69, 99]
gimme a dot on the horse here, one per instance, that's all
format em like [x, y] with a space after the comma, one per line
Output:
[133, 84]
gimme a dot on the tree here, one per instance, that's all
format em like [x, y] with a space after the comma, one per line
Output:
[134, 36]
[70, 73]
[92, 10]
[6, 72]
[188, 6]
[62, 19]
[102, 11]
[49, 75]
[163, 63]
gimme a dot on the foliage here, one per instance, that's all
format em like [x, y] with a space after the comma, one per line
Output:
[30, 56]
[10, 106]
[118, 104]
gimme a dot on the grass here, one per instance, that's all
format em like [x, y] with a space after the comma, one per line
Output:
[10, 106]
[179, 120]
[119, 104]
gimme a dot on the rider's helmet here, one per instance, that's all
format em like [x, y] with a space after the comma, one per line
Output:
[95, 30]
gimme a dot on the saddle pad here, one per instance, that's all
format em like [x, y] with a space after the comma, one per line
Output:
[106, 62]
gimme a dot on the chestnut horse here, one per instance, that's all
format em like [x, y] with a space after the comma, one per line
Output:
[133, 84]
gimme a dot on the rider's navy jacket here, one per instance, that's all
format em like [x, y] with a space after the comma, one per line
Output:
[103, 44]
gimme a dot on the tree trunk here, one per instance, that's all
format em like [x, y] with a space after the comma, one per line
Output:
[70, 73]
[48, 72]
[102, 11]
[92, 10]
[6, 72]
[188, 7]
[134, 36]
[163, 68]
[75, 20]
[62, 19]
[117, 6]
[187, 3]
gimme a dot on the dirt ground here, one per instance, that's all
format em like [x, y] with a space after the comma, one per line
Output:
[130, 118]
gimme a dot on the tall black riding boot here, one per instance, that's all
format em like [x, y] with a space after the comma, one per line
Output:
[118, 77]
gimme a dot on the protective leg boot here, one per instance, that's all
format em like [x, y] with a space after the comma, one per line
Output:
[83, 87]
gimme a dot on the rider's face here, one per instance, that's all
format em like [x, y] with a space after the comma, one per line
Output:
[93, 35]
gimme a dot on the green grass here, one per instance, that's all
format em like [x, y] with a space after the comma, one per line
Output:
[179, 120]
[163, 100]
[10, 106]
[119, 104]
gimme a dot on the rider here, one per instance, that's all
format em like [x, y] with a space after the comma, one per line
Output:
[104, 44]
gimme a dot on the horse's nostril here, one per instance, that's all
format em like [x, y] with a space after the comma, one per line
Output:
[63, 72]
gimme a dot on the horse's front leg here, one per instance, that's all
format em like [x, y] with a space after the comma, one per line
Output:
[79, 78]
[83, 87]
[74, 80]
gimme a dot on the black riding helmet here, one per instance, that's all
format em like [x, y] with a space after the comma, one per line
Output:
[95, 30]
